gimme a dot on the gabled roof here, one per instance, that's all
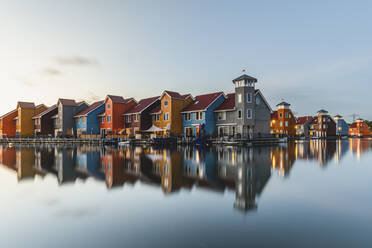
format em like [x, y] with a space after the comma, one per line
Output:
[116, 99]
[45, 112]
[228, 104]
[92, 107]
[245, 76]
[283, 103]
[9, 113]
[26, 104]
[40, 105]
[156, 110]
[67, 102]
[175, 95]
[257, 91]
[303, 119]
[142, 105]
[274, 115]
[338, 116]
[202, 102]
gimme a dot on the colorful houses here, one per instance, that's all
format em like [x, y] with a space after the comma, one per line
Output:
[303, 126]
[322, 125]
[64, 125]
[199, 115]
[112, 121]
[167, 116]
[87, 121]
[8, 125]
[245, 113]
[359, 129]
[24, 123]
[43, 122]
[342, 128]
[283, 122]
[139, 119]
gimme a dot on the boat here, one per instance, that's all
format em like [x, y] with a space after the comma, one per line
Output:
[124, 143]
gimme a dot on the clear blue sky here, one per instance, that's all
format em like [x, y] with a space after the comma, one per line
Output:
[313, 54]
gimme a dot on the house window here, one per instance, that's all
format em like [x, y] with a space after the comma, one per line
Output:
[239, 98]
[166, 116]
[281, 123]
[281, 115]
[108, 106]
[165, 103]
[286, 123]
[84, 119]
[221, 116]
[239, 114]
[156, 117]
[187, 116]
[249, 97]
[127, 119]
[199, 115]
[103, 119]
[249, 113]
[286, 115]
[136, 118]
[109, 118]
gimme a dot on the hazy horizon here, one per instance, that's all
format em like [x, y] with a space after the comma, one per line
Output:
[314, 55]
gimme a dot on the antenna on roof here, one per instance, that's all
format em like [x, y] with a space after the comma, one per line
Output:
[244, 70]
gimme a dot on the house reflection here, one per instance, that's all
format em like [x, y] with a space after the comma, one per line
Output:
[25, 163]
[283, 158]
[8, 157]
[65, 162]
[245, 170]
[359, 146]
[88, 162]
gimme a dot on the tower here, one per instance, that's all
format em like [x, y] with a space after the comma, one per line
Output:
[244, 104]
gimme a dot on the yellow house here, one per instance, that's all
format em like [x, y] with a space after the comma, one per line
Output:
[24, 122]
[168, 115]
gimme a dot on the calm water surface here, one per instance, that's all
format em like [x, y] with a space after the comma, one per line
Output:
[309, 194]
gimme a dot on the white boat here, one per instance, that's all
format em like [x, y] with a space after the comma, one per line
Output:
[124, 143]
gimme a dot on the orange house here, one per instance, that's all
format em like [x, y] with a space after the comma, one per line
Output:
[8, 125]
[359, 129]
[283, 122]
[168, 115]
[112, 121]
[24, 123]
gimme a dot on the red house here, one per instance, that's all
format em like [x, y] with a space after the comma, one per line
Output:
[112, 121]
[359, 129]
[8, 125]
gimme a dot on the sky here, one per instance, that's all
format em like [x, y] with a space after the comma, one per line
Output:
[312, 54]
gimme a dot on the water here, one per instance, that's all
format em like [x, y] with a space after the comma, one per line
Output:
[310, 194]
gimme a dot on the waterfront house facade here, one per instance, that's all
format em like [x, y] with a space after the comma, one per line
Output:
[8, 124]
[342, 128]
[245, 113]
[87, 121]
[167, 116]
[322, 125]
[24, 122]
[112, 121]
[198, 116]
[303, 126]
[359, 129]
[43, 122]
[138, 119]
[64, 125]
[283, 121]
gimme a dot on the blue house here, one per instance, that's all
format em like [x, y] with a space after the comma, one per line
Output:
[87, 121]
[88, 162]
[198, 117]
[342, 128]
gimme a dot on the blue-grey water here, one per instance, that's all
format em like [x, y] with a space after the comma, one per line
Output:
[307, 194]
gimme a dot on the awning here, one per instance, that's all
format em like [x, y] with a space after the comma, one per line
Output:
[153, 129]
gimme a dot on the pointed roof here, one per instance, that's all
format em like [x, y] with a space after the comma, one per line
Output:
[245, 76]
[175, 95]
[283, 104]
[338, 116]
[202, 102]
[116, 99]
[9, 113]
[303, 119]
[67, 102]
[142, 105]
[46, 111]
[26, 104]
[322, 111]
[92, 107]
[228, 104]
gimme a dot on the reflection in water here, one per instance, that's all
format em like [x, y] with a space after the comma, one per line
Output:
[243, 170]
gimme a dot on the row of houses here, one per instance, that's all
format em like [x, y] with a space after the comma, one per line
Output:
[284, 122]
[244, 113]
